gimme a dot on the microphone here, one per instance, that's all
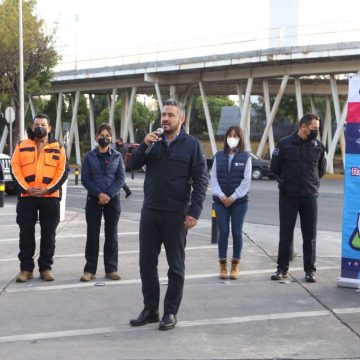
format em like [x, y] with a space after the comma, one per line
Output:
[159, 132]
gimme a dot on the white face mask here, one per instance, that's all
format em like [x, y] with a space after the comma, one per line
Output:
[232, 142]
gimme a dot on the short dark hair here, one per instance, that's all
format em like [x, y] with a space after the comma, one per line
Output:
[308, 118]
[41, 116]
[239, 133]
[178, 104]
[102, 127]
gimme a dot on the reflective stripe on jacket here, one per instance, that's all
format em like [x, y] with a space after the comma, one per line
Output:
[47, 169]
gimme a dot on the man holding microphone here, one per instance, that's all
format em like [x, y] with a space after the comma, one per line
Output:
[174, 190]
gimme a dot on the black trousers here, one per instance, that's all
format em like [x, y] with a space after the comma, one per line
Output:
[94, 213]
[29, 210]
[156, 228]
[289, 207]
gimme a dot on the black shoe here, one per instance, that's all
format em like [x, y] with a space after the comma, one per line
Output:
[310, 277]
[128, 194]
[145, 317]
[279, 274]
[168, 322]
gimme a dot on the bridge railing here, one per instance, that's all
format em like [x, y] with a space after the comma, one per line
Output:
[231, 43]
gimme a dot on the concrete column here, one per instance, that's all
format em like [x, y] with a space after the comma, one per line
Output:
[128, 120]
[124, 110]
[312, 105]
[158, 95]
[267, 113]
[74, 129]
[272, 115]
[58, 126]
[112, 113]
[327, 135]
[187, 96]
[246, 113]
[188, 113]
[337, 110]
[92, 121]
[339, 130]
[172, 92]
[32, 106]
[208, 119]
[299, 104]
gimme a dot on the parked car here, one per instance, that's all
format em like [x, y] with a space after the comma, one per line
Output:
[260, 167]
[10, 187]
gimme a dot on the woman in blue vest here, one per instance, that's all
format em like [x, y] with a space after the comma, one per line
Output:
[230, 182]
[103, 176]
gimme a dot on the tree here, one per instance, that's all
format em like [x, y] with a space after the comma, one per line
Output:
[40, 56]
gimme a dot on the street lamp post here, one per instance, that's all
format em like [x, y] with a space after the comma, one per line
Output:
[21, 74]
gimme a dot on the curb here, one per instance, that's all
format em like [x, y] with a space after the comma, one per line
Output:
[334, 176]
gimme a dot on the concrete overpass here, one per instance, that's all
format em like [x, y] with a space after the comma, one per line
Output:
[314, 70]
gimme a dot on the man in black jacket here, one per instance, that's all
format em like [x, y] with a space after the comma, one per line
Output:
[299, 162]
[175, 187]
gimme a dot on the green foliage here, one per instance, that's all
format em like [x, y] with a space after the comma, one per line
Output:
[198, 121]
[38, 48]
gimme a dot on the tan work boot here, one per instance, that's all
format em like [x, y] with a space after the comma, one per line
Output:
[24, 276]
[223, 268]
[113, 276]
[47, 275]
[235, 265]
[87, 276]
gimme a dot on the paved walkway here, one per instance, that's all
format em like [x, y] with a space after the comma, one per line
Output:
[251, 318]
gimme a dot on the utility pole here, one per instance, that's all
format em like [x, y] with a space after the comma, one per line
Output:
[21, 75]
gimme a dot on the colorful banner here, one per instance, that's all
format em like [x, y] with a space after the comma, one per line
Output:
[350, 262]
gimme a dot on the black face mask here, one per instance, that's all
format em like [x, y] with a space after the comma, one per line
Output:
[103, 142]
[313, 134]
[40, 132]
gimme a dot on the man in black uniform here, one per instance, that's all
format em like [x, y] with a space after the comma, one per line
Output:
[299, 162]
[175, 187]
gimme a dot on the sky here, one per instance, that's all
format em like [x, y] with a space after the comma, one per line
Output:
[93, 29]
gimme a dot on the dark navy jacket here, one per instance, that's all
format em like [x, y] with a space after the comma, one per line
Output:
[97, 178]
[299, 165]
[176, 175]
[230, 180]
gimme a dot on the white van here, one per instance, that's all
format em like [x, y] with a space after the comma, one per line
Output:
[10, 187]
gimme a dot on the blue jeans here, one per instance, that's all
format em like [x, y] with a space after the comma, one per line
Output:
[236, 212]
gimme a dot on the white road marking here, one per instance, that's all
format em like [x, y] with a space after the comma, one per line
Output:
[181, 324]
[56, 334]
[29, 286]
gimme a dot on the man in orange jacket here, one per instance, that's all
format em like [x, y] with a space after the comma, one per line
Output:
[39, 168]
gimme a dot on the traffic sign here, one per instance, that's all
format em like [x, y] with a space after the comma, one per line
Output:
[9, 114]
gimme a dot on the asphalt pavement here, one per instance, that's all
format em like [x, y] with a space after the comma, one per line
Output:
[250, 318]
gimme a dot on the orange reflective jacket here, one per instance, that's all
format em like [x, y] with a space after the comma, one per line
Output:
[47, 169]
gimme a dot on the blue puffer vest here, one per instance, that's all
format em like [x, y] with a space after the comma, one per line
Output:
[230, 180]
[103, 179]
